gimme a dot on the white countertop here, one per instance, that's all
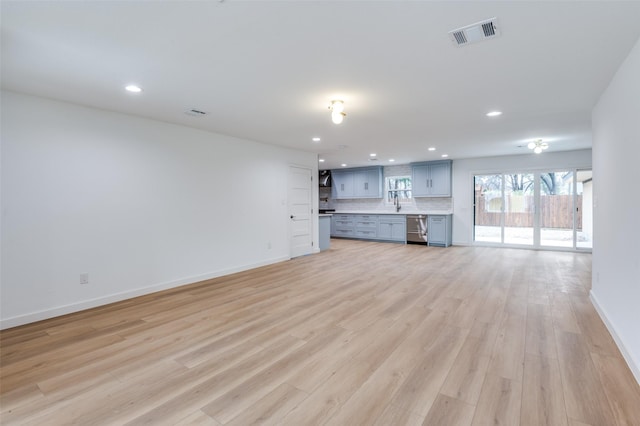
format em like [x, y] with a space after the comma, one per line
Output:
[401, 212]
[325, 214]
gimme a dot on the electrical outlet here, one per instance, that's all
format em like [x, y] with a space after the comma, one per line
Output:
[84, 278]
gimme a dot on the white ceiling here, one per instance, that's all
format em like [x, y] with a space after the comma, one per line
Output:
[267, 70]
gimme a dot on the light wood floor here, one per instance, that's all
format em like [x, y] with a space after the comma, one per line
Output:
[363, 334]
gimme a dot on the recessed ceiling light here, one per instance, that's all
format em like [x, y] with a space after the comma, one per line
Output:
[133, 88]
[343, 165]
[391, 160]
[494, 113]
[432, 148]
[445, 155]
[321, 160]
[373, 154]
[316, 139]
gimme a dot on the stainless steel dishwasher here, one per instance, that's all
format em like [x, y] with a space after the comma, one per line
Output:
[417, 228]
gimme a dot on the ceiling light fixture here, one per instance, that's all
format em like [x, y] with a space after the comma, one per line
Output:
[133, 88]
[494, 113]
[538, 146]
[445, 155]
[321, 160]
[316, 139]
[343, 165]
[391, 160]
[431, 149]
[373, 154]
[337, 111]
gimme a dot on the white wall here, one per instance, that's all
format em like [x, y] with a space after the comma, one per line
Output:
[463, 171]
[616, 171]
[138, 204]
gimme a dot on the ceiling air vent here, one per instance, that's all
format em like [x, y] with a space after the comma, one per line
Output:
[195, 112]
[473, 33]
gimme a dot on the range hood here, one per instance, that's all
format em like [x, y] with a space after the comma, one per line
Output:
[325, 178]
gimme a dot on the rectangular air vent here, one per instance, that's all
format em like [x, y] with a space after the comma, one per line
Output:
[473, 33]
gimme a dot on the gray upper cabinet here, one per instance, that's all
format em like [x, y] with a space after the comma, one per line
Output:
[342, 186]
[363, 182]
[431, 179]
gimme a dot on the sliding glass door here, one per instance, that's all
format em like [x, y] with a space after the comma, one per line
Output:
[556, 209]
[488, 208]
[519, 209]
[542, 209]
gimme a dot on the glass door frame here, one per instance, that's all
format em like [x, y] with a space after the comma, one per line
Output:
[537, 173]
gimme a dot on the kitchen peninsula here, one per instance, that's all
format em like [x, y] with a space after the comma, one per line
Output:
[324, 224]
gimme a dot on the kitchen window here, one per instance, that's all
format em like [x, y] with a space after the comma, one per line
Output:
[398, 186]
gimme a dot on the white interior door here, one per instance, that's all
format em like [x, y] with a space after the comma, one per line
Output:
[300, 217]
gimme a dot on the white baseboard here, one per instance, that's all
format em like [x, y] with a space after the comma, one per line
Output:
[117, 297]
[628, 357]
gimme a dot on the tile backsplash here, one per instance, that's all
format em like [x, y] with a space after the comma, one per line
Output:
[378, 204]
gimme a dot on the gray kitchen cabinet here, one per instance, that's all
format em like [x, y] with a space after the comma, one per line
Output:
[384, 227]
[324, 232]
[363, 182]
[342, 186]
[342, 225]
[368, 183]
[392, 228]
[439, 230]
[366, 226]
[431, 179]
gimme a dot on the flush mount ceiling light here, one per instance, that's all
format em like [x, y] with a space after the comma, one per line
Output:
[337, 111]
[538, 146]
[133, 88]
[316, 139]
[494, 113]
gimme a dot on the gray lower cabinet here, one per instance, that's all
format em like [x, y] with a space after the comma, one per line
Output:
[439, 230]
[369, 227]
[324, 227]
[366, 226]
[342, 225]
[388, 227]
[392, 228]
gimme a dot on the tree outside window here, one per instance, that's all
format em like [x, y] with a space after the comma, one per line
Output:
[399, 186]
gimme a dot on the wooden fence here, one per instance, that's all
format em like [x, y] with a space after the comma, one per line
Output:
[555, 211]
